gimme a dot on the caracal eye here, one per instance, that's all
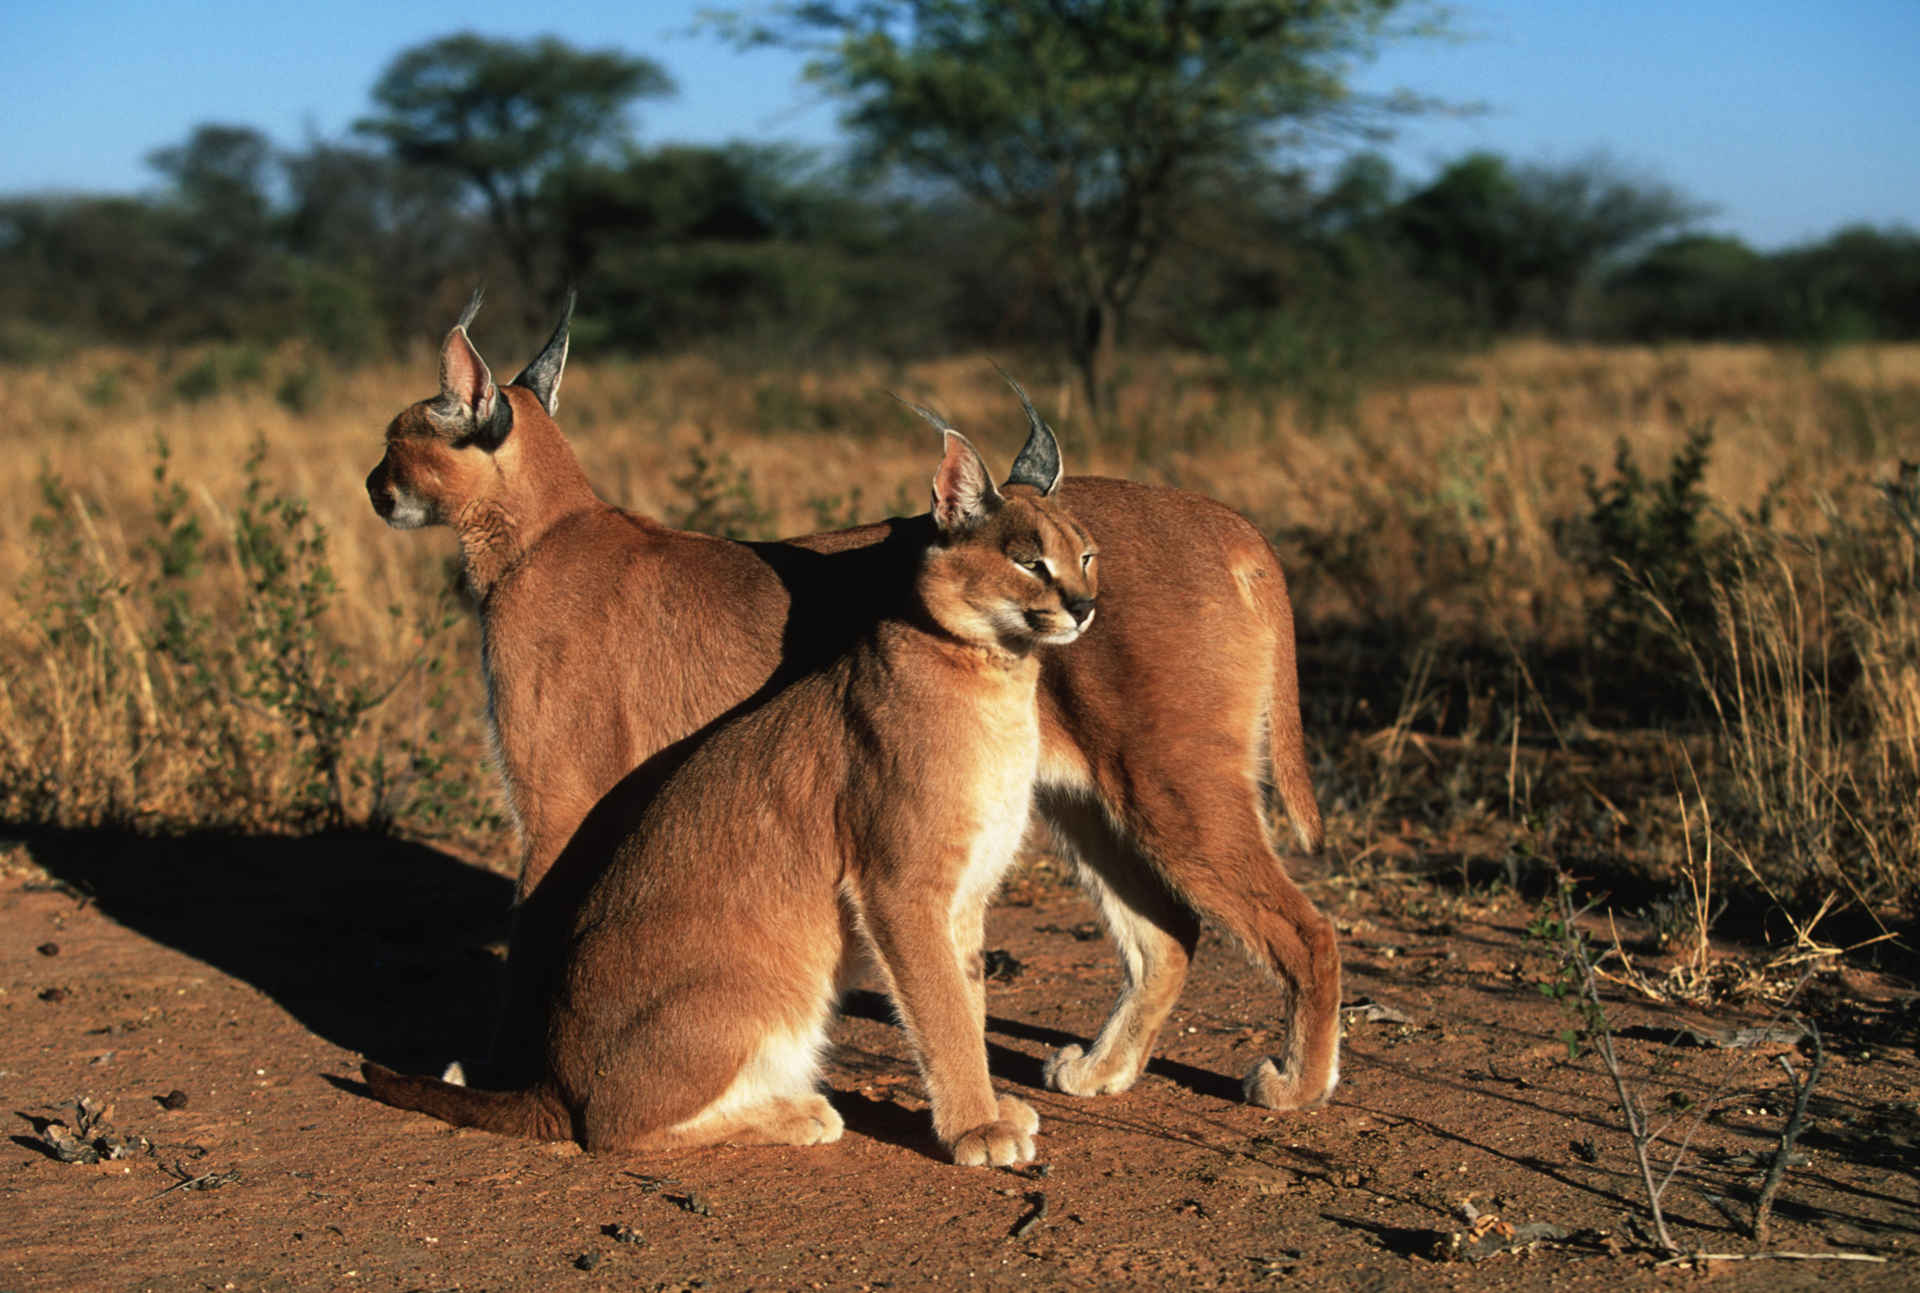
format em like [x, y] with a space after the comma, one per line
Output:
[1036, 567]
[1086, 561]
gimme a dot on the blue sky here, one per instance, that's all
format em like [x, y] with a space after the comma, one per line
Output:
[1790, 117]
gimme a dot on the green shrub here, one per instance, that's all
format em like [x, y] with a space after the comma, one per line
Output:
[200, 679]
[1652, 542]
[720, 496]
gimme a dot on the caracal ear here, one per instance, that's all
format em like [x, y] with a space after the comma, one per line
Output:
[963, 492]
[542, 376]
[1039, 462]
[466, 387]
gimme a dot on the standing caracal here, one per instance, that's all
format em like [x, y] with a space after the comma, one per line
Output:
[608, 637]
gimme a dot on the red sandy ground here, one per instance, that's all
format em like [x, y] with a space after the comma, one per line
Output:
[253, 975]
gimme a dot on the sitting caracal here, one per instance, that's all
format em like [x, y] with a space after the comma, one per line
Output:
[868, 809]
[607, 637]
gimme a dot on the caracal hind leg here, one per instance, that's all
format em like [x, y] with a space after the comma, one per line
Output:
[750, 1084]
[1217, 854]
[936, 1003]
[796, 1120]
[1152, 930]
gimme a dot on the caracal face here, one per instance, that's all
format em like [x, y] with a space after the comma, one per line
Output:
[446, 454]
[1012, 569]
[426, 475]
[1038, 592]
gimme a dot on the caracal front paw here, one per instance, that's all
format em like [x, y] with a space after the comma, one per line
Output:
[1005, 1142]
[1072, 1071]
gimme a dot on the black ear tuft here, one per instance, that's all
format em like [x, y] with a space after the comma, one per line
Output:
[492, 433]
[939, 423]
[542, 376]
[1039, 462]
[473, 307]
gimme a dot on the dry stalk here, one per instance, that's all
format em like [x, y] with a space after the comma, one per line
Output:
[1546, 712]
[1796, 1123]
[1637, 1131]
[1413, 702]
[1641, 1134]
[122, 617]
[1806, 948]
[9, 721]
[1699, 884]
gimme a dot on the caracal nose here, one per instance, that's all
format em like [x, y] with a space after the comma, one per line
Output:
[377, 491]
[1081, 608]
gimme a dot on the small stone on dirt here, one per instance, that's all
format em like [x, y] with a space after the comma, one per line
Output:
[66, 1146]
[1374, 1013]
[174, 1099]
[48, 949]
[587, 1261]
[1489, 1237]
[621, 1234]
[1000, 965]
[1260, 1178]
[53, 996]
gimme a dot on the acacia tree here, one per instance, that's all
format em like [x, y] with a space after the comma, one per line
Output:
[1519, 243]
[217, 198]
[504, 115]
[1094, 125]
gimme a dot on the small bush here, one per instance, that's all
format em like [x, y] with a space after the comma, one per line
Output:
[1650, 541]
[196, 678]
[1809, 662]
[301, 389]
[720, 496]
[104, 390]
[219, 370]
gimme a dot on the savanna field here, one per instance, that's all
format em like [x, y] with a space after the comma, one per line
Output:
[1690, 570]
[1639, 626]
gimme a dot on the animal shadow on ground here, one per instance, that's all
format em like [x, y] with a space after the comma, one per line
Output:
[378, 945]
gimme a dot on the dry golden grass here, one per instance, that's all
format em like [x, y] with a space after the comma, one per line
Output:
[1433, 505]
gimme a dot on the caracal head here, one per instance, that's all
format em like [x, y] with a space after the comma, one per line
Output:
[459, 447]
[1011, 568]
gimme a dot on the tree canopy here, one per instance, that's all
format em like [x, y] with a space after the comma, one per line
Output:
[1519, 242]
[503, 115]
[1048, 185]
[1095, 125]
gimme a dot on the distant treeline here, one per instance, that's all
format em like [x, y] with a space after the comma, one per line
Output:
[359, 249]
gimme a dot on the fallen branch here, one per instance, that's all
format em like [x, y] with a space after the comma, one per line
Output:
[184, 1179]
[1684, 1258]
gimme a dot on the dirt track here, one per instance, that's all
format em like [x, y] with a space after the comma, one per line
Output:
[253, 975]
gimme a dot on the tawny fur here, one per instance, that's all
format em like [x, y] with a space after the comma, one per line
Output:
[609, 637]
[867, 811]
